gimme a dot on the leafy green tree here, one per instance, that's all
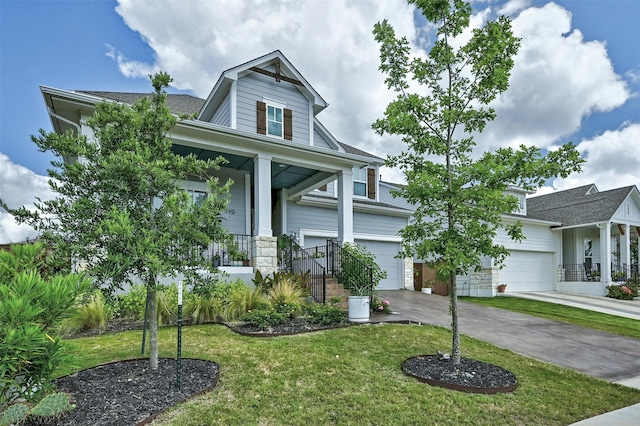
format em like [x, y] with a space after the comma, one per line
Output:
[121, 212]
[458, 193]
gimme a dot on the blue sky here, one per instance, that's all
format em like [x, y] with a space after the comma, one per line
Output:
[588, 93]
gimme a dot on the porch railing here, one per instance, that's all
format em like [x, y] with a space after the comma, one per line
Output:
[585, 272]
[580, 272]
[293, 258]
[235, 252]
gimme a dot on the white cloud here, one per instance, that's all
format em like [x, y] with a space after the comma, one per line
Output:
[19, 186]
[559, 79]
[613, 159]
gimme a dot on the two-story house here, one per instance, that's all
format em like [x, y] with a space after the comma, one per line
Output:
[291, 175]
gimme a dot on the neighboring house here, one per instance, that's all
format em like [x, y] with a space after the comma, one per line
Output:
[291, 175]
[578, 240]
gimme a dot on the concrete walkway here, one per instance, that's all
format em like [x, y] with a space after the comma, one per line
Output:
[581, 349]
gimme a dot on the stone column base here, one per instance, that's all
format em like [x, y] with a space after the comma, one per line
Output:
[264, 251]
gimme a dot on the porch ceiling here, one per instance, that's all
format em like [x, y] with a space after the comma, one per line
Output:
[282, 175]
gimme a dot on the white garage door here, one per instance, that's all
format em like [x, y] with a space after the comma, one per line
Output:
[528, 271]
[384, 252]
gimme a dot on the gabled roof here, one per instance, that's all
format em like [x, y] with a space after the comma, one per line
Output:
[286, 70]
[177, 103]
[187, 104]
[582, 205]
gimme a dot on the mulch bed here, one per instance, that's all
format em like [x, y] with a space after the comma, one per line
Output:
[129, 393]
[468, 376]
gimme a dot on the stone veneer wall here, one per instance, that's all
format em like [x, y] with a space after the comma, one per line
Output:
[265, 254]
[483, 283]
[408, 274]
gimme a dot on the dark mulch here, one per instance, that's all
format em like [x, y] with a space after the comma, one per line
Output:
[127, 392]
[295, 326]
[468, 376]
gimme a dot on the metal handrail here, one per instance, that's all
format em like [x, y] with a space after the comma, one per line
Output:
[337, 257]
[293, 258]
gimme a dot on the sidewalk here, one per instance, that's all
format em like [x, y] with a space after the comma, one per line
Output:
[579, 348]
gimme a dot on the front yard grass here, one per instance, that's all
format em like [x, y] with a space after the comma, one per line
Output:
[353, 376]
[568, 314]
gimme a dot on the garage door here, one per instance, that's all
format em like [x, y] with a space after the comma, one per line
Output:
[384, 252]
[528, 271]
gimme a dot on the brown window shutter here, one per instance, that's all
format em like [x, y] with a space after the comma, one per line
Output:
[261, 114]
[323, 188]
[371, 184]
[288, 125]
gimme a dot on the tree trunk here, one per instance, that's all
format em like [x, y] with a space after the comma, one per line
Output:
[455, 344]
[153, 326]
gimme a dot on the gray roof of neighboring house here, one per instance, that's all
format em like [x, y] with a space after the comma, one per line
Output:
[187, 104]
[578, 206]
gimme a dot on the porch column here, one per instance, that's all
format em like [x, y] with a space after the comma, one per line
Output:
[625, 247]
[345, 206]
[262, 196]
[605, 252]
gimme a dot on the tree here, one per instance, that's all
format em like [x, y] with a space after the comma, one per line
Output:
[459, 195]
[121, 212]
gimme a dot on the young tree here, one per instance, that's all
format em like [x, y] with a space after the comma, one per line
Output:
[121, 212]
[459, 194]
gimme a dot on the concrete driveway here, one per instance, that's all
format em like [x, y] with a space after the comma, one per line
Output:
[599, 354]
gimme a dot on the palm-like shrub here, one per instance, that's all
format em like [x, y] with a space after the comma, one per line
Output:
[91, 312]
[244, 300]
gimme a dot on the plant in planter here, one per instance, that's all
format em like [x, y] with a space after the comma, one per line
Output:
[216, 260]
[502, 288]
[427, 286]
[360, 274]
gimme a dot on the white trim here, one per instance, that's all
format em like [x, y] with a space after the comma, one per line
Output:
[233, 104]
[357, 207]
[304, 232]
[247, 203]
[311, 128]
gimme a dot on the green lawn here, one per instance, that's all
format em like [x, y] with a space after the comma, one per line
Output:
[353, 376]
[569, 314]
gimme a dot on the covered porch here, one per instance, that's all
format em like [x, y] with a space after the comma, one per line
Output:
[598, 255]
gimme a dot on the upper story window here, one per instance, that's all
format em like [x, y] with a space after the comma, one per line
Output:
[360, 181]
[274, 119]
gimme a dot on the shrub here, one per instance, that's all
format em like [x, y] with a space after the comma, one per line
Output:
[623, 291]
[243, 300]
[359, 272]
[317, 313]
[91, 312]
[202, 309]
[31, 311]
[167, 298]
[380, 306]
[131, 305]
[299, 280]
[286, 291]
[264, 318]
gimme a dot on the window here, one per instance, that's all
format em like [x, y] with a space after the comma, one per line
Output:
[197, 197]
[274, 121]
[360, 182]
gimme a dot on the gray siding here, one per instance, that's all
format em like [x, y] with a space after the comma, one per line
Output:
[326, 219]
[235, 216]
[368, 223]
[222, 115]
[253, 87]
[384, 196]
[320, 141]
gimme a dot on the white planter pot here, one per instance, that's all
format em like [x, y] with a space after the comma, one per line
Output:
[358, 308]
[426, 290]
